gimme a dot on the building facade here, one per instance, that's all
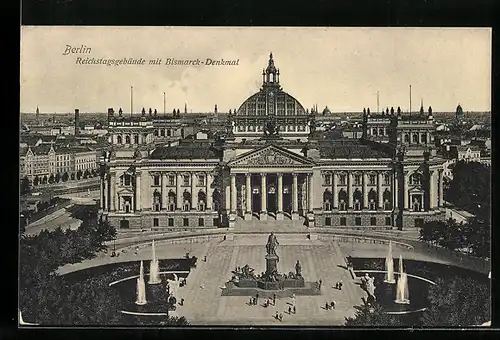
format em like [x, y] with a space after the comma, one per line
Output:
[270, 162]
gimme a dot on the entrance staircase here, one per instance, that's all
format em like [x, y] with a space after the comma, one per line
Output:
[257, 226]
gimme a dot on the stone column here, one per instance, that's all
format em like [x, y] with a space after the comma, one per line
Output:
[102, 192]
[279, 213]
[178, 191]
[164, 196]
[106, 196]
[335, 193]
[113, 192]
[295, 197]
[432, 190]
[349, 190]
[209, 190]
[379, 191]
[263, 197]
[365, 190]
[395, 191]
[233, 193]
[248, 186]
[194, 196]
[441, 199]
[310, 192]
[405, 191]
[138, 203]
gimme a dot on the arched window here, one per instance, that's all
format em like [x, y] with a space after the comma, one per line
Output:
[127, 139]
[372, 200]
[171, 200]
[343, 200]
[417, 203]
[415, 138]
[381, 132]
[374, 131]
[327, 200]
[407, 138]
[387, 197]
[119, 139]
[155, 133]
[202, 201]
[216, 200]
[156, 201]
[187, 201]
[357, 199]
[136, 139]
[423, 138]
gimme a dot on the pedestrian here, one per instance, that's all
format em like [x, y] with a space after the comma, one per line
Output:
[281, 317]
[294, 310]
[257, 298]
[277, 316]
[327, 307]
[251, 301]
[289, 310]
[332, 305]
[340, 285]
[274, 299]
[205, 258]
[320, 282]
[182, 302]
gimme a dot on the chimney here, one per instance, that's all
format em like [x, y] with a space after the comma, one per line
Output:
[77, 122]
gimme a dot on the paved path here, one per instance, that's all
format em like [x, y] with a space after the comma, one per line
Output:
[60, 218]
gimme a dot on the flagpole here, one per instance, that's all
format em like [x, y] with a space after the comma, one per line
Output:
[410, 100]
[164, 104]
[131, 100]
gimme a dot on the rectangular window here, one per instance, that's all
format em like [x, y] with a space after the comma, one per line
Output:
[216, 222]
[357, 179]
[372, 179]
[156, 222]
[185, 222]
[343, 221]
[156, 180]
[171, 180]
[186, 180]
[357, 221]
[342, 179]
[387, 179]
[201, 222]
[169, 133]
[201, 180]
[328, 221]
[387, 221]
[373, 221]
[328, 180]
[170, 222]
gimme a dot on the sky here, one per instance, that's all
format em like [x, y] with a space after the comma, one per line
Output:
[342, 68]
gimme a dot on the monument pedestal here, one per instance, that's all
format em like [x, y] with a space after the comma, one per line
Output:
[310, 220]
[295, 216]
[271, 263]
[280, 216]
[232, 220]
[248, 216]
[263, 216]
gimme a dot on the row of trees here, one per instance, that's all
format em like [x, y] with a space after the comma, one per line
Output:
[64, 177]
[49, 299]
[474, 236]
[453, 302]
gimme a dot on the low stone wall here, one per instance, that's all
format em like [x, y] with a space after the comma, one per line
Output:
[362, 239]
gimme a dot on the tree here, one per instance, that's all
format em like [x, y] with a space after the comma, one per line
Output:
[25, 185]
[376, 317]
[65, 177]
[79, 174]
[35, 181]
[51, 179]
[58, 177]
[457, 301]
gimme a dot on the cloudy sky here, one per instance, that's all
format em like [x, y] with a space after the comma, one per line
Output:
[342, 68]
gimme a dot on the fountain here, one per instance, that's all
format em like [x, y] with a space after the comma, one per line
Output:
[402, 294]
[389, 266]
[154, 269]
[141, 288]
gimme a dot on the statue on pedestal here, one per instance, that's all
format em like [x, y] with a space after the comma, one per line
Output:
[272, 243]
[298, 269]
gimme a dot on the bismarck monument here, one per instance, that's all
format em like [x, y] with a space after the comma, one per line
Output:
[245, 282]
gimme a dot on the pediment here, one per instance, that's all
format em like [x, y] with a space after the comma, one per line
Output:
[271, 156]
[125, 191]
[416, 189]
